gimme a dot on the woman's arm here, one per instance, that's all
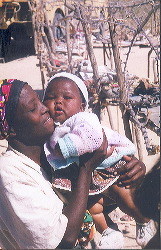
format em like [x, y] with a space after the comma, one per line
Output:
[75, 210]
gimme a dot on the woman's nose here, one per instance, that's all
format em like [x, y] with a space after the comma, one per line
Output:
[44, 108]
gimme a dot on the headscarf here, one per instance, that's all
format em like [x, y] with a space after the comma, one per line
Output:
[77, 81]
[10, 90]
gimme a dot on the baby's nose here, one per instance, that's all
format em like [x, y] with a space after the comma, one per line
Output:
[58, 101]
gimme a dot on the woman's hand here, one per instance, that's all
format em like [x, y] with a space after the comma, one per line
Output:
[92, 160]
[132, 172]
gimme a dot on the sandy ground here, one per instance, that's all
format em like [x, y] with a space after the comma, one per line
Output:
[126, 226]
[137, 62]
[26, 68]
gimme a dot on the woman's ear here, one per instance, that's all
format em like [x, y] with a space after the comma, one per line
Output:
[12, 132]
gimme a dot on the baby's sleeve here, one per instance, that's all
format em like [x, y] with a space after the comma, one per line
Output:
[122, 146]
[85, 135]
[119, 141]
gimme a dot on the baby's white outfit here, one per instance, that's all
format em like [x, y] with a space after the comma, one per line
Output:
[82, 133]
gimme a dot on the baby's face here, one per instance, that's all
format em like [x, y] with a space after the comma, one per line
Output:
[63, 99]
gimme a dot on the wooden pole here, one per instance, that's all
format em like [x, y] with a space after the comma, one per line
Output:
[149, 53]
[42, 73]
[120, 79]
[84, 19]
[104, 54]
[87, 30]
[154, 71]
[68, 45]
[51, 36]
[138, 141]
[108, 107]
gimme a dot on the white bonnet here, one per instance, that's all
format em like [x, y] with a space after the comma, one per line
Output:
[77, 81]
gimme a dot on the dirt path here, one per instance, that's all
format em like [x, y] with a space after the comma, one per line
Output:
[25, 69]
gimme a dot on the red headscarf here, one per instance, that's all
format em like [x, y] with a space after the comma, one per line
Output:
[10, 90]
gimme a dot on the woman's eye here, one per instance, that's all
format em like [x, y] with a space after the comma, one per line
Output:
[33, 108]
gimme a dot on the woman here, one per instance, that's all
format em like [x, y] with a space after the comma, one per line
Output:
[32, 215]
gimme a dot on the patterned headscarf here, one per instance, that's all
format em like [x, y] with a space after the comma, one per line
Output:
[10, 90]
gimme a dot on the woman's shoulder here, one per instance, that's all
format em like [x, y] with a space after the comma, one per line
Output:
[8, 168]
[15, 168]
[6, 156]
[10, 155]
[14, 161]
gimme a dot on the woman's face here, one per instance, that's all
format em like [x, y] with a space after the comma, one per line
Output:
[63, 99]
[32, 123]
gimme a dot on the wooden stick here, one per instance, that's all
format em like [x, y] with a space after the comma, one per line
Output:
[110, 117]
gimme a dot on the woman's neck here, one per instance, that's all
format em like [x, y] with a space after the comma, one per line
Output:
[32, 152]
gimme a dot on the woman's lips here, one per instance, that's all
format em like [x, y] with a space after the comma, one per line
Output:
[49, 120]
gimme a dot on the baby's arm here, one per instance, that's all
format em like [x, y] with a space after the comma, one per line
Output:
[85, 135]
[119, 141]
[122, 146]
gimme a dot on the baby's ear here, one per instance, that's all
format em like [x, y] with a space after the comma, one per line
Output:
[83, 106]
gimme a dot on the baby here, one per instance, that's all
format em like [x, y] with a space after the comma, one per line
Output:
[78, 132]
